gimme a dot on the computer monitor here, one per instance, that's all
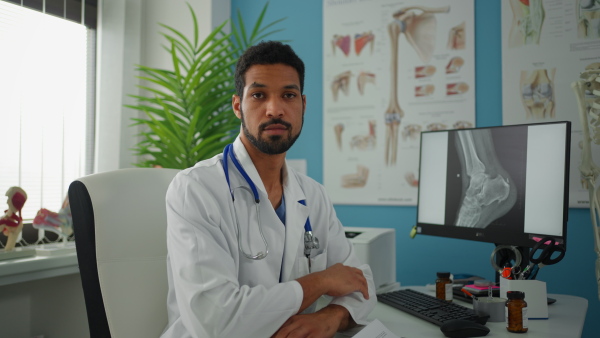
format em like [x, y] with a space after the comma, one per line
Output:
[505, 185]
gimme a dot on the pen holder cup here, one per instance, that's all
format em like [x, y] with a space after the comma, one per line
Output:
[535, 295]
[494, 307]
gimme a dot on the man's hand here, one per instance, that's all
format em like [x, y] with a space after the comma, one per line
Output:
[336, 281]
[322, 324]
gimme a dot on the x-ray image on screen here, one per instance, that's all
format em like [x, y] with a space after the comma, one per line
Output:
[485, 181]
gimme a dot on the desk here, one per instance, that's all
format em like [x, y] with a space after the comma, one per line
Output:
[566, 319]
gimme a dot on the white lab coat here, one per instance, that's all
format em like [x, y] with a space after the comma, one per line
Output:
[214, 291]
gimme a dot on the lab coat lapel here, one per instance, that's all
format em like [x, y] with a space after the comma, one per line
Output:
[296, 215]
[242, 155]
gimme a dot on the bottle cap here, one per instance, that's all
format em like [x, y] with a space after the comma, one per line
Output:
[443, 274]
[515, 294]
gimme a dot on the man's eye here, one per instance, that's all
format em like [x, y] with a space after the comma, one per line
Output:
[257, 95]
[289, 95]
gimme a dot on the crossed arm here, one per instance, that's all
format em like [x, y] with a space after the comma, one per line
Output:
[336, 281]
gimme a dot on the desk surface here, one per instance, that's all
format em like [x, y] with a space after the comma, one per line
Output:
[566, 319]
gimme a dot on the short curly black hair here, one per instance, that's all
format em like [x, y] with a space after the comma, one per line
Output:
[267, 53]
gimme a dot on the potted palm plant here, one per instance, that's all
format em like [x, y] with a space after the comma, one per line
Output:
[187, 112]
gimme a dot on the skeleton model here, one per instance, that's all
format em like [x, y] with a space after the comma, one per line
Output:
[60, 223]
[587, 91]
[420, 31]
[488, 192]
[11, 223]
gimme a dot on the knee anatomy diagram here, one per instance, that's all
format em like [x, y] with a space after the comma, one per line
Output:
[588, 23]
[587, 92]
[528, 18]
[537, 92]
[488, 191]
[420, 31]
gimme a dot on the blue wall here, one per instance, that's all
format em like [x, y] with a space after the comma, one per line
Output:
[418, 259]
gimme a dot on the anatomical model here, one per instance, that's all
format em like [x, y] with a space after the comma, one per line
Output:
[528, 18]
[488, 191]
[537, 93]
[365, 142]
[341, 82]
[587, 91]
[338, 129]
[342, 42]
[363, 79]
[361, 40]
[454, 65]
[60, 222]
[357, 180]
[588, 14]
[419, 27]
[411, 179]
[11, 223]
[456, 37]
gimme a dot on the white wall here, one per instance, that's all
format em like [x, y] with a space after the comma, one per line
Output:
[128, 35]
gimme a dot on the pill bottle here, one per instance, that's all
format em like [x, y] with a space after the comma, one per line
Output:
[443, 286]
[516, 312]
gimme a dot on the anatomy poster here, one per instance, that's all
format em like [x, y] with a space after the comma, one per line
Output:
[546, 44]
[391, 69]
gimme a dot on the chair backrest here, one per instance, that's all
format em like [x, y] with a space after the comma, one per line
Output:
[119, 220]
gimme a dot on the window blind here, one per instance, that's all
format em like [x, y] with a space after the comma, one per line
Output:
[45, 106]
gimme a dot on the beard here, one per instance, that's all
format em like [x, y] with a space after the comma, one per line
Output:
[274, 144]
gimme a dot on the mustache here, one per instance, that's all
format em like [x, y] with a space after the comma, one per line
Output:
[275, 121]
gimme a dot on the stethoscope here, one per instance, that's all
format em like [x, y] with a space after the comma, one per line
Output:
[310, 241]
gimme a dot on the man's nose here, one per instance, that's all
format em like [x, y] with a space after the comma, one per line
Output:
[275, 108]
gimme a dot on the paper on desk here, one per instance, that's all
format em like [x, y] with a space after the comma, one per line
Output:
[375, 329]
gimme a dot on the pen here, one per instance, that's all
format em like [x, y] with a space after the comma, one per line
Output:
[468, 293]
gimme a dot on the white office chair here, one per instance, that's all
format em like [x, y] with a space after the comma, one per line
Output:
[119, 220]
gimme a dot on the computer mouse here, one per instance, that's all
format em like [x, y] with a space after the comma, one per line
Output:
[460, 328]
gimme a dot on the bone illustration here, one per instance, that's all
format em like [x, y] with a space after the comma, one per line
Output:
[341, 82]
[424, 71]
[488, 191]
[587, 93]
[363, 79]
[356, 180]
[537, 93]
[456, 88]
[365, 142]
[412, 132]
[454, 65]
[411, 179]
[527, 21]
[436, 126]
[342, 42]
[462, 125]
[588, 23]
[456, 37]
[338, 129]
[425, 90]
[420, 32]
[361, 40]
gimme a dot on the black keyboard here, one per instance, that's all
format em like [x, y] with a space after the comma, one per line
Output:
[424, 306]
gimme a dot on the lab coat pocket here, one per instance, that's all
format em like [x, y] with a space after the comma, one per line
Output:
[317, 263]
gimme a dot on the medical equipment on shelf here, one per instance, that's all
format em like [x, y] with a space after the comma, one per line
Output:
[587, 92]
[310, 241]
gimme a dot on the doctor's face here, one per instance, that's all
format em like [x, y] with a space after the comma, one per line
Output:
[272, 108]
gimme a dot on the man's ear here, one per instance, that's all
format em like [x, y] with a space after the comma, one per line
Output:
[303, 104]
[236, 103]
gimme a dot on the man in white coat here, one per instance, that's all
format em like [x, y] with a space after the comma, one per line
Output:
[237, 265]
